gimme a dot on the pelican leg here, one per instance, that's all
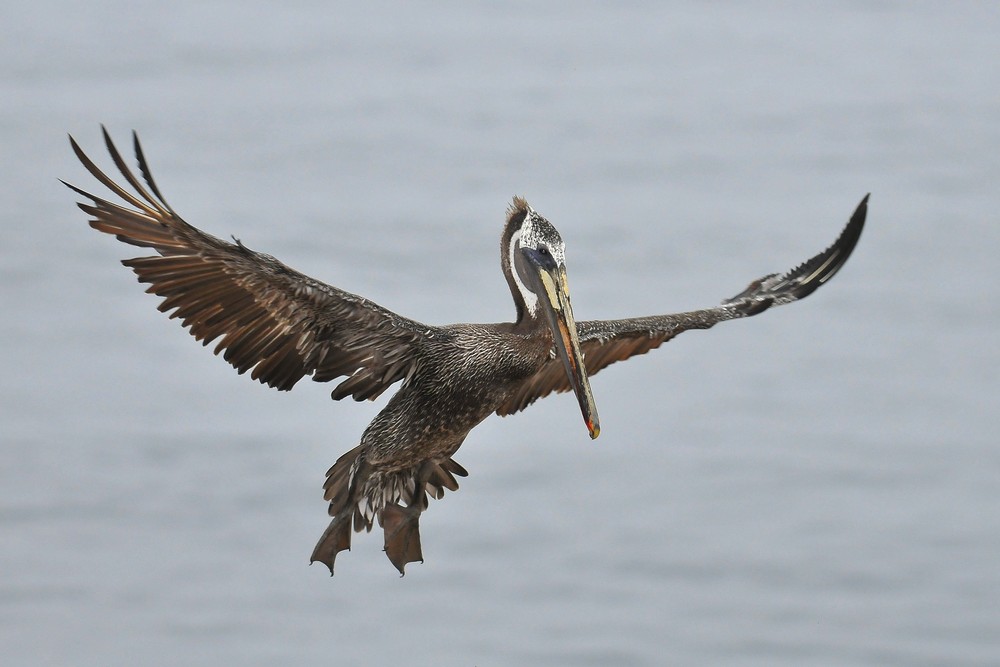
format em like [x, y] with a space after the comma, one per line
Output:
[343, 480]
[401, 525]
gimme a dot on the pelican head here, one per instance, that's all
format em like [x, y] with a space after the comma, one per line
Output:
[534, 262]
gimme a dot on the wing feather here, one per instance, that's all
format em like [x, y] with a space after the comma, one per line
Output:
[268, 318]
[603, 342]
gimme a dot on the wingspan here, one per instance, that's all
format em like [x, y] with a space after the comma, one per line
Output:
[271, 320]
[604, 342]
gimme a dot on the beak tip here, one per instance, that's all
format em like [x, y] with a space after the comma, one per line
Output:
[595, 430]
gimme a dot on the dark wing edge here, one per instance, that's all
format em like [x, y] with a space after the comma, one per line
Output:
[604, 342]
[274, 321]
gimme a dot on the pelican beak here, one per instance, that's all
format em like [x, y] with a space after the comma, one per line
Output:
[555, 301]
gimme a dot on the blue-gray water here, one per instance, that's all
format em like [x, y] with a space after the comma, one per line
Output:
[816, 486]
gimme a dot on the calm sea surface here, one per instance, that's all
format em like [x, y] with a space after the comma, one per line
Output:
[816, 486]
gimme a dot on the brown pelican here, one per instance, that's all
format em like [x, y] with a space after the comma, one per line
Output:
[282, 325]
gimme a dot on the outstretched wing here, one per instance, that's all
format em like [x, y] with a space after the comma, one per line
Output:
[604, 342]
[271, 320]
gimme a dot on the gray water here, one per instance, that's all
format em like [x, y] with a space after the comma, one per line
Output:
[816, 486]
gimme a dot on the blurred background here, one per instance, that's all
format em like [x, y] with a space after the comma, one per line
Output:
[819, 485]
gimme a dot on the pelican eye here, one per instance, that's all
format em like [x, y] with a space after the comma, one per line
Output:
[544, 251]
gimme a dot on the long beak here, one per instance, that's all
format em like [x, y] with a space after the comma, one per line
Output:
[560, 313]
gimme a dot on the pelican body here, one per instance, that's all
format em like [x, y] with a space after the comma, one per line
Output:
[281, 326]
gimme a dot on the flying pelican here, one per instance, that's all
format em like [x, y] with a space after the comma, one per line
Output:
[282, 325]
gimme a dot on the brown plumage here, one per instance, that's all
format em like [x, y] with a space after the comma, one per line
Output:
[281, 326]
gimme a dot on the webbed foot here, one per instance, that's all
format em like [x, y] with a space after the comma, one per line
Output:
[402, 535]
[335, 539]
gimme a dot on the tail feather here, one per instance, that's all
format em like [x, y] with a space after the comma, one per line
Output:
[339, 481]
[442, 476]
